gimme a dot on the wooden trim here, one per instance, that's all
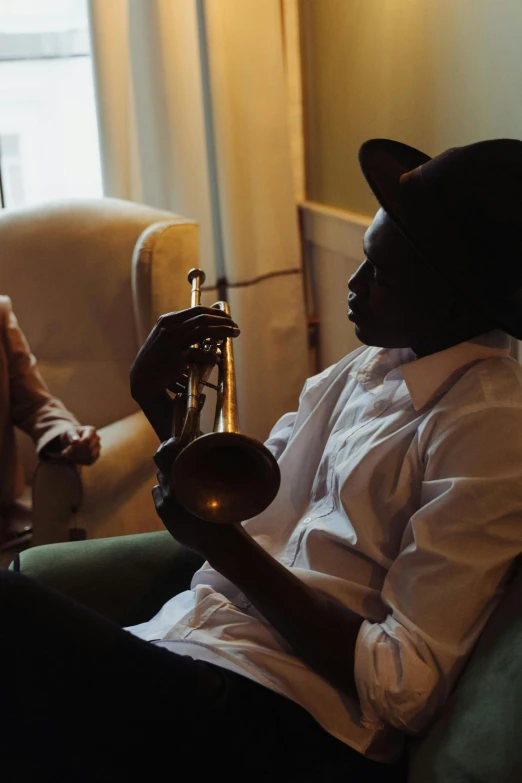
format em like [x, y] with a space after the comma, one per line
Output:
[334, 229]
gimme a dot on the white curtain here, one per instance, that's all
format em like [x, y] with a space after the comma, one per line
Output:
[193, 117]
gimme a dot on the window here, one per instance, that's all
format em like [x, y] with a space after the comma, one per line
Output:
[48, 135]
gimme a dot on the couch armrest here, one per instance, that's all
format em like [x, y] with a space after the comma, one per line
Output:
[476, 737]
[126, 578]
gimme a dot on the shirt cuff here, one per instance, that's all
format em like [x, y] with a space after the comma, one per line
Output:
[54, 432]
[395, 682]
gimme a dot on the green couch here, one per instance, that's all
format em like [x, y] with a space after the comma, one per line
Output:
[478, 736]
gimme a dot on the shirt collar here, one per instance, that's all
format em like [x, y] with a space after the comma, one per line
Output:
[426, 376]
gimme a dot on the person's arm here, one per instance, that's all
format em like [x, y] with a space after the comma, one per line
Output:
[54, 429]
[81, 445]
[456, 554]
[162, 359]
[440, 589]
[159, 410]
[33, 408]
[320, 631]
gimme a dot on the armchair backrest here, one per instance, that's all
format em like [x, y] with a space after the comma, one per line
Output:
[67, 267]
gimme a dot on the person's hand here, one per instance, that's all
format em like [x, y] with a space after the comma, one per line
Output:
[81, 445]
[167, 350]
[209, 539]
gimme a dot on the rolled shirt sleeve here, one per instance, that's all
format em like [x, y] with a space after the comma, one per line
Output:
[455, 556]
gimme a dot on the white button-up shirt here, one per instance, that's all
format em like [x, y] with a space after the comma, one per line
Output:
[401, 498]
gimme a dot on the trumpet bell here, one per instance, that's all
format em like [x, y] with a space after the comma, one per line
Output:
[225, 477]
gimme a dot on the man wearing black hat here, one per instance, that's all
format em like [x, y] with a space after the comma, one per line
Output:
[323, 630]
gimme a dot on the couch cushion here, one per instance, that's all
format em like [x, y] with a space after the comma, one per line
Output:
[478, 737]
[127, 578]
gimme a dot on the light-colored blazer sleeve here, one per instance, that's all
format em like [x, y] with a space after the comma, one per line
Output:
[32, 407]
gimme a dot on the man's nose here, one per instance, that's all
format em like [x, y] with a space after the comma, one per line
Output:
[359, 280]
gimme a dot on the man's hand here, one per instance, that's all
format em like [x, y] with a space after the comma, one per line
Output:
[209, 539]
[81, 445]
[165, 354]
[167, 350]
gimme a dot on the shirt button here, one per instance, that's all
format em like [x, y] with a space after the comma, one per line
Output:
[378, 405]
[192, 622]
[306, 520]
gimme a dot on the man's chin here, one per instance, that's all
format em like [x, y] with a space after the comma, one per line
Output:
[372, 337]
[377, 338]
[362, 325]
[365, 336]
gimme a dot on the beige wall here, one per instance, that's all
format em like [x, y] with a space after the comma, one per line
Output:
[431, 73]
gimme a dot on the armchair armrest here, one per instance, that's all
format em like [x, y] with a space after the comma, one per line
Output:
[128, 446]
[57, 495]
[60, 489]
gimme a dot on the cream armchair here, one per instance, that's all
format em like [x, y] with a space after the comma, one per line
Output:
[88, 279]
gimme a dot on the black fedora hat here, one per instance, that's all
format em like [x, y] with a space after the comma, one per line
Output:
[462, 211]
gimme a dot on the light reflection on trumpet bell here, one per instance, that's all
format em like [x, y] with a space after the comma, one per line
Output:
[225, 477]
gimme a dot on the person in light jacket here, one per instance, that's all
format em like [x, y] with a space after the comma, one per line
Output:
[25, 402]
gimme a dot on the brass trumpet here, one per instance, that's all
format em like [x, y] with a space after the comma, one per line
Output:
[223, 476]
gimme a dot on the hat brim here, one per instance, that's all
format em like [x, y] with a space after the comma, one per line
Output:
[383, 162]
[393, 171]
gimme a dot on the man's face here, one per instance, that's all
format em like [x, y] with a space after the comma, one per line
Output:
[396, 300]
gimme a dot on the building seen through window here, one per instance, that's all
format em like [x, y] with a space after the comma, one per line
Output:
[48, 134]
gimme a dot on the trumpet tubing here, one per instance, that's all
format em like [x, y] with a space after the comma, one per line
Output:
[223, 476]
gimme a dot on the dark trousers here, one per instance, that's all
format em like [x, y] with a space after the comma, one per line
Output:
[84, 700]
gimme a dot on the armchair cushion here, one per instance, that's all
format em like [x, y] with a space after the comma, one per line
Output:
[126, 578]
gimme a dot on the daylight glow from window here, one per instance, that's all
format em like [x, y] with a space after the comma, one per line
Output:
[48, 133]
